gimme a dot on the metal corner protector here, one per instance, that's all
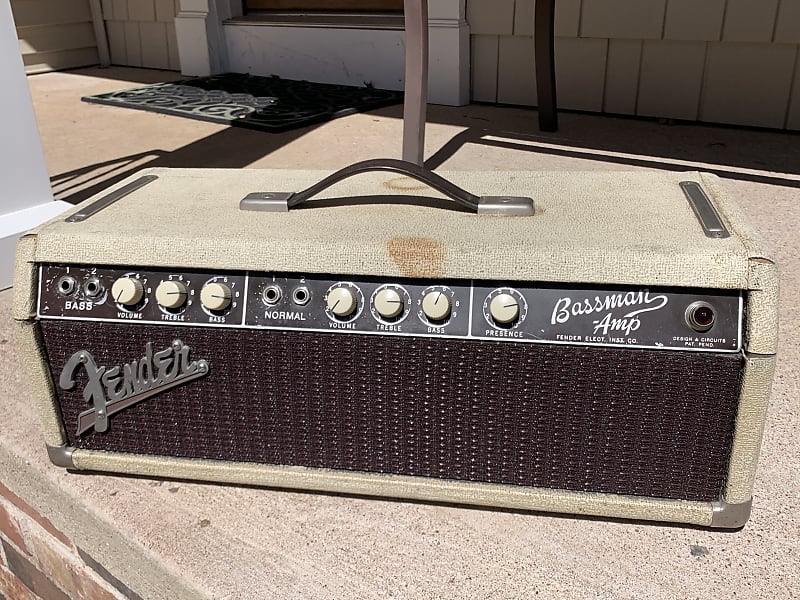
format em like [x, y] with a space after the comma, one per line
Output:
[730, 516]
[61, 456]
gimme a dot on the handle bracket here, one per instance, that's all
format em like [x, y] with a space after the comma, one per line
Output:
[507, 206]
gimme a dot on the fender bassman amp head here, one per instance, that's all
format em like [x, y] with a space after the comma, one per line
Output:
[608, 353]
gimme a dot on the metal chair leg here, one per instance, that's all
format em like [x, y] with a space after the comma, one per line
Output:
[544, 32]
[416, 86]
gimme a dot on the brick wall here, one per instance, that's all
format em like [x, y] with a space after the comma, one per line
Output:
[722, 61]
[38, 561]
[141, 33]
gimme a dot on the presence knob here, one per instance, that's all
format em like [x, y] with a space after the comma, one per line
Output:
[215, 296]
[342, 301]
[436, 305]
[127, 291]
[504, 308]
[171, 294]
[389, 303]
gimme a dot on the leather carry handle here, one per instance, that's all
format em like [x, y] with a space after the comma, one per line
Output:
[485, 205]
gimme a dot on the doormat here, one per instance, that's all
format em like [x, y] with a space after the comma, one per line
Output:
[265, 103]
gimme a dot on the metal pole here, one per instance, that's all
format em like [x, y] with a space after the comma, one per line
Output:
[544, 25]
[416, 86]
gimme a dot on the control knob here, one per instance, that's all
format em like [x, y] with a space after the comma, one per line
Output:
[504, 308]
[215, 296]
[127, 291]
[342, 301]
[171, 294]
[436, 305]
[389, 303]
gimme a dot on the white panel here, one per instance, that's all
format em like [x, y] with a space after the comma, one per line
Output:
[693, 20]
[632, 19]
[622, 76]
[516, 78]
[523, 17]
[50, 12]
[748, 84]
[750, 20]
[155, 54]
[107, 6]
[43, 62]
[491, 17]
[580, 73]
[347, 56]
[787, 30]
[671, 80]
[484, 68]
[443, 9]
[141, 10]
[26, 184]
[793, 122]
[116, 42]
[120, 10]
[48, 38]
[133, 44]
[568, 18]
[172, 48]
[448, 66]
[165, 10]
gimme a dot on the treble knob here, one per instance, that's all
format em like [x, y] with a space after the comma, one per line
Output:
[171, 294]
[389, 303]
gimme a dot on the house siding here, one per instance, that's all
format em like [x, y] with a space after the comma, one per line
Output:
[141, 33]
[718, 61]
[55, 34]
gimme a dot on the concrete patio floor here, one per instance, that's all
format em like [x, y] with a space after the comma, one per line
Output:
[197, 540]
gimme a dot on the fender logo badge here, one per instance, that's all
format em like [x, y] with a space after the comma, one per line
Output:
[115, 389]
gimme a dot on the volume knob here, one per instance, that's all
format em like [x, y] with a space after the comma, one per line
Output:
[215, 296]
[342, 301]
[127, 291]
[171, 294]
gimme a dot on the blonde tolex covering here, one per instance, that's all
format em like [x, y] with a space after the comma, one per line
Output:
[605, 228]
[400, 486]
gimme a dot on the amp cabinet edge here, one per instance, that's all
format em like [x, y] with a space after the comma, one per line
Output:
[28, 338]
[717, 514]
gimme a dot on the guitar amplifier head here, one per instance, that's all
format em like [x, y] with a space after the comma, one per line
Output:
[608, 353]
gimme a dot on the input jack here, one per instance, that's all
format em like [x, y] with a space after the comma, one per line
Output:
[67, 285]
[301, 295]
[271, 295]
[92, 288]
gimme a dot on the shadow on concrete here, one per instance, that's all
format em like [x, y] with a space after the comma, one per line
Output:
[231, 148]
[751, 154]
[758, 155]
[137, 75]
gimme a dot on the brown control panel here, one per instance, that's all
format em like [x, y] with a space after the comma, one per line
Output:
[528, 312]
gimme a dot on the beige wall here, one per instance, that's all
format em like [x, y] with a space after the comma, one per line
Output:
[54, 34]
[721, 61]
[141, 33]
